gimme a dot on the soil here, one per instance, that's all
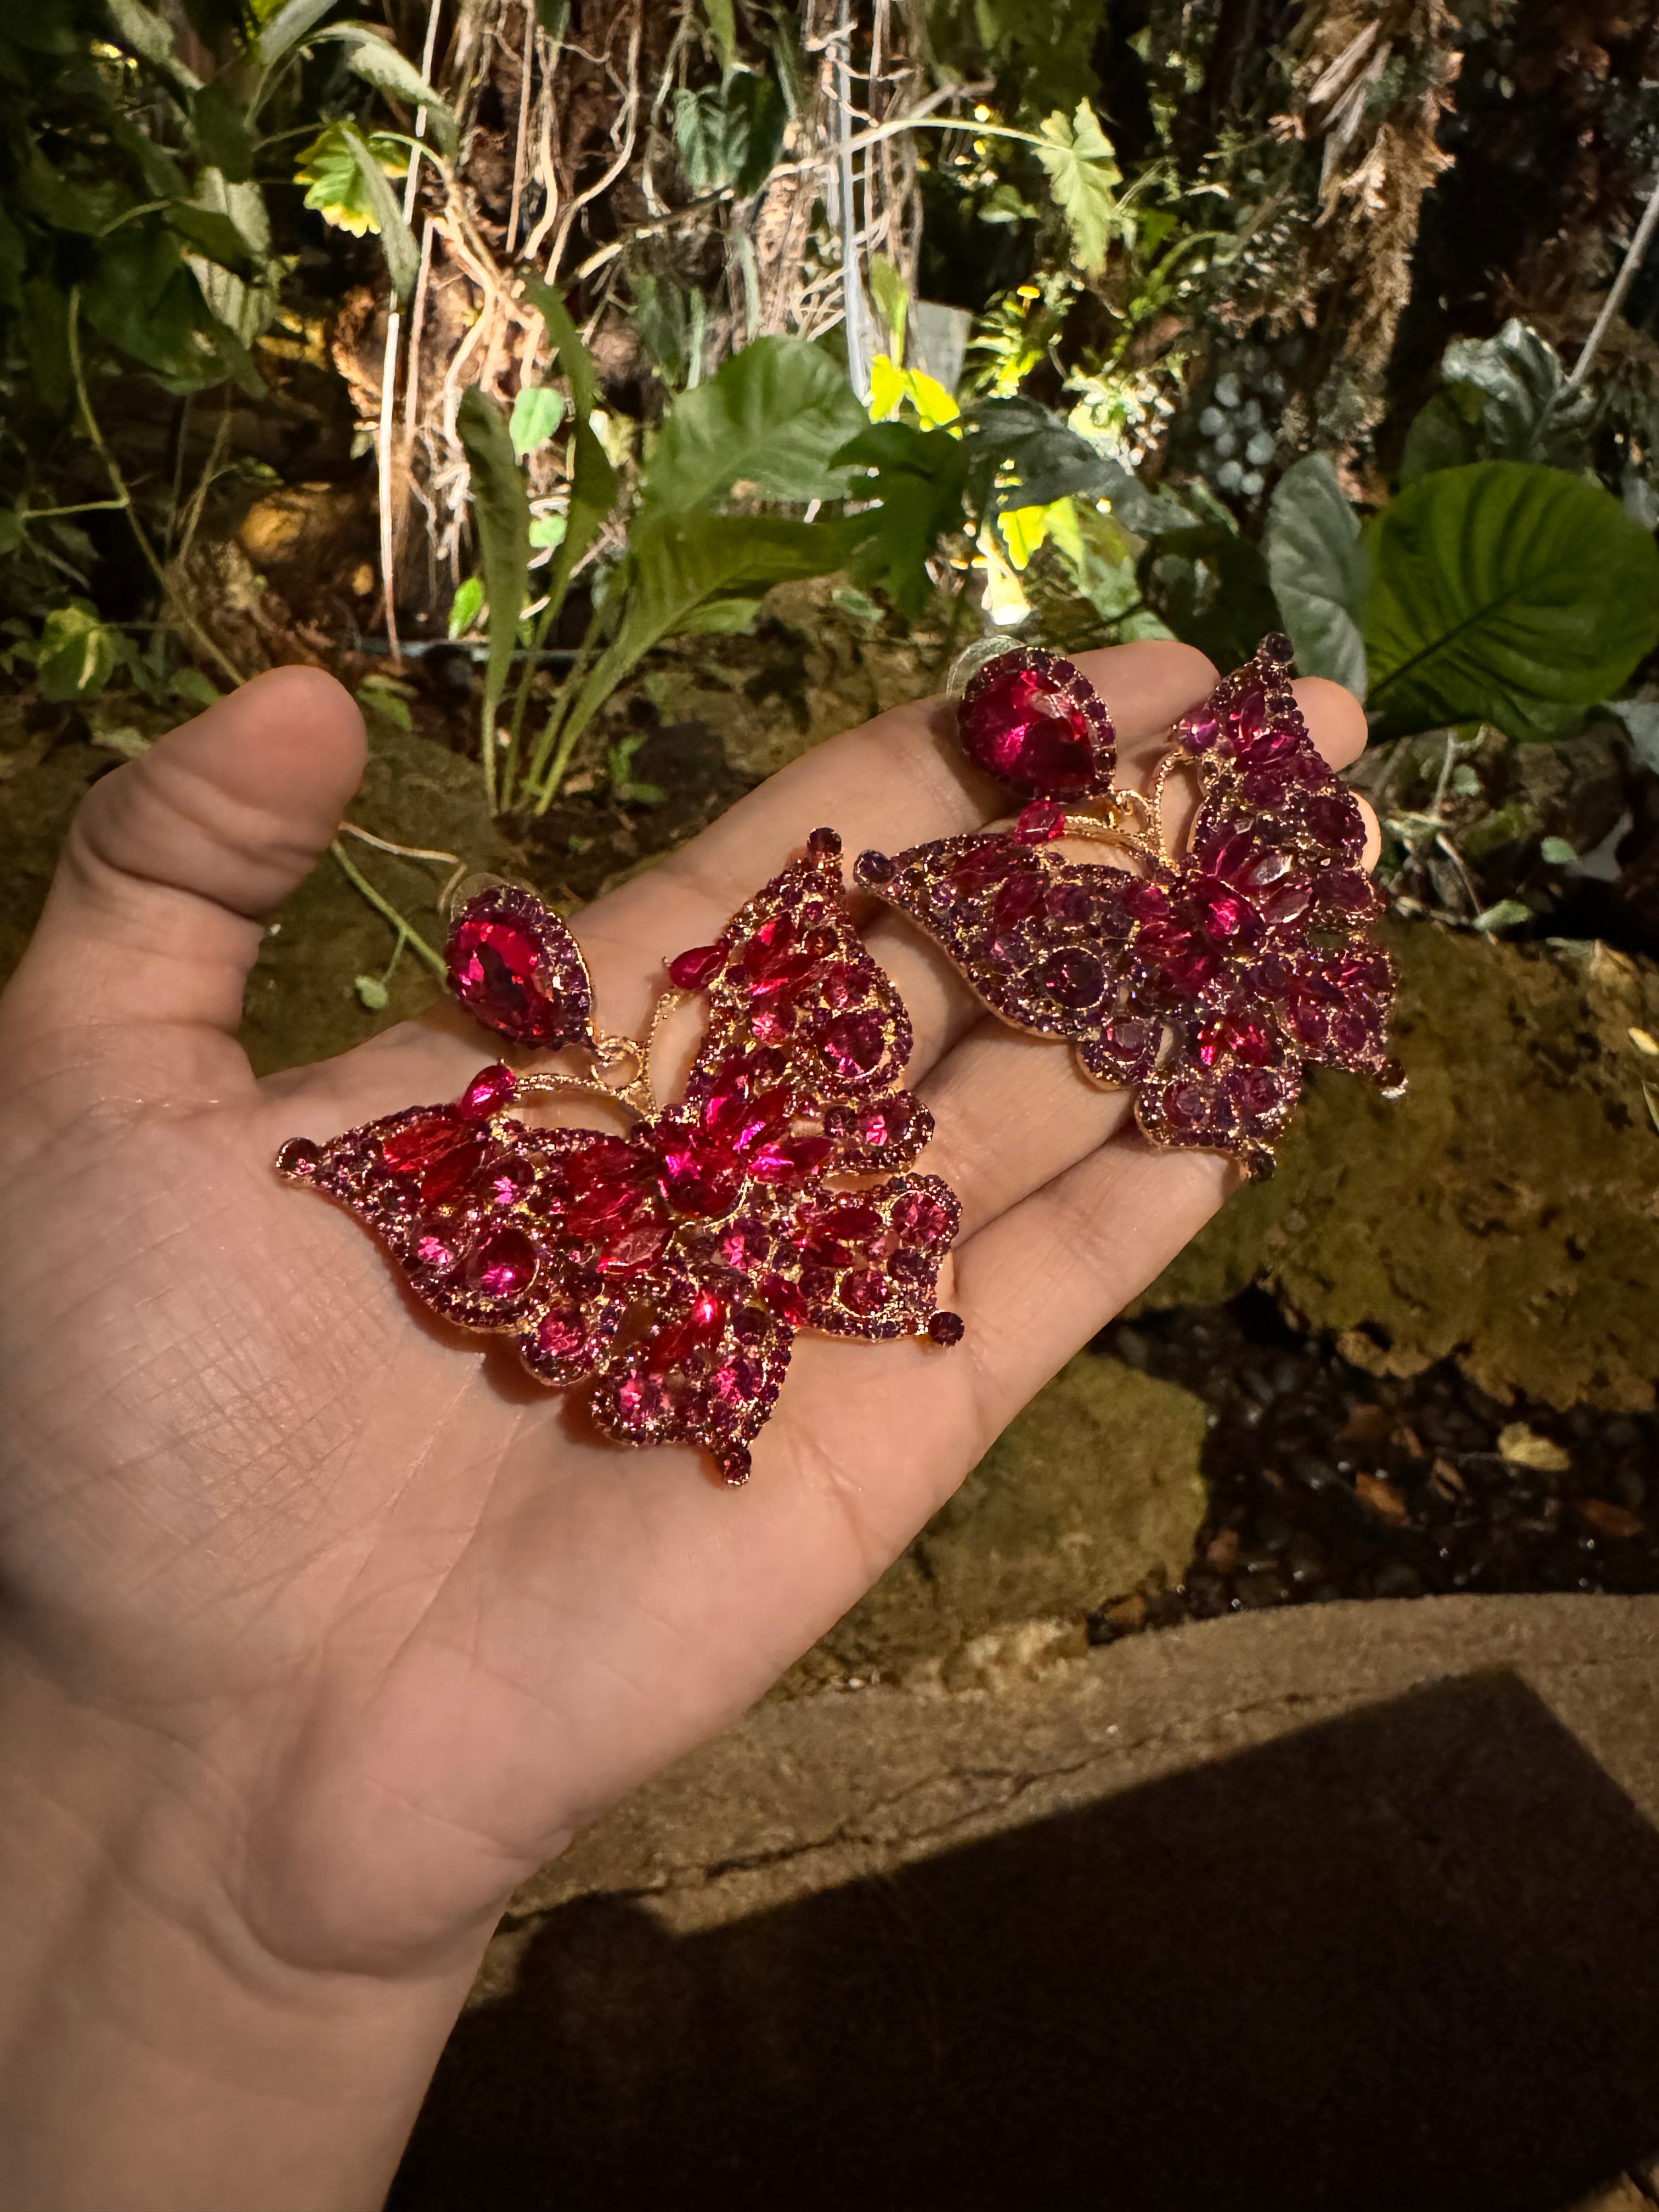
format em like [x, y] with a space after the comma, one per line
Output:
[1326, 1482]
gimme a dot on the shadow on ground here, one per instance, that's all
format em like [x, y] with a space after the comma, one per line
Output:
[1407, 1959]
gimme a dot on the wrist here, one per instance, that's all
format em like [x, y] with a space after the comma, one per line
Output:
[153, 2053]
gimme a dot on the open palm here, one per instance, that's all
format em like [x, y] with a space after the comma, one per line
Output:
[351, 1584]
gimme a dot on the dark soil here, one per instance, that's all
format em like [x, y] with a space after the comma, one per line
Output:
[1328, 1482]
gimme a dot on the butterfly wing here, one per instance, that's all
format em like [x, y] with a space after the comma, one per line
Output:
[543, 1234]
[666, 1272]
[1203, 984]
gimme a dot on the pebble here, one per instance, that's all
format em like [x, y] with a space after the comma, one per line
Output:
[1326, 1482]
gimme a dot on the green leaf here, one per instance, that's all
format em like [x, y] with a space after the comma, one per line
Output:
[1021, 453]
[538, 412]
[381, 206]
[723, 26]
[685, 571]
[1556, 852]
[728, 136]
[1507, 594]
[387, 698]
[1445, 434]
[465, 607]
[500, 509]
[891, 296]
[1084, 171]
[151, 38]
[572, 356]
[219, 123]
[1151, 514]
[1640, 718]
[378, 63]
[1508, 914]
[144, 301]
[549, 531]
[1099, 556]
[917, 479]
[1528, 412]
[12, 528]
[772, 416]
[1316, 565]
[372, 993]
[193, 688]
[288, 28]
[212, 234]
[78, 653]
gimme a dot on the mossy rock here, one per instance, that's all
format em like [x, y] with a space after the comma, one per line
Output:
[1504, 1213]
[1093, 1490]
[301, 1002]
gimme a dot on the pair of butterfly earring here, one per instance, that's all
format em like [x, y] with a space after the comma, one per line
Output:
[663, 1272]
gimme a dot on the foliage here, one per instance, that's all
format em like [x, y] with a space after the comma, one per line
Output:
[1083, 174]
[771, 418]
[500, 507]
[1039, 50]
[98, 200]
[1317, 563]
[1508, 592]
[1505, 399]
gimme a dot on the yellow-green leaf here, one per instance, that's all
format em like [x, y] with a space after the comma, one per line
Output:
[1084, 171]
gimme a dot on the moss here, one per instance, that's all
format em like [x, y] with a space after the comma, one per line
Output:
[1093, 1489]
[1506, 1210]
[300, 1003]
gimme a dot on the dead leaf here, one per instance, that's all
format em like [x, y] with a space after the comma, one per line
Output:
[1384, 1498]
[1604, 1518]
[1445, 1479]
[1524, 1447]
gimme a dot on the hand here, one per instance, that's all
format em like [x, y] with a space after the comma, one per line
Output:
[319, 1625]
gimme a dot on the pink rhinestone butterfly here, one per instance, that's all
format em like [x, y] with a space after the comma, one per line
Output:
[1202, 982]
[663, 1273]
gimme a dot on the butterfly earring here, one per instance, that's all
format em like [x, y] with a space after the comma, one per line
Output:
[1203, 981]
[663, 1273]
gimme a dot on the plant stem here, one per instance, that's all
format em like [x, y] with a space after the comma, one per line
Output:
[123, 497]
[384, 908]
[1635, 254]
[561, 727]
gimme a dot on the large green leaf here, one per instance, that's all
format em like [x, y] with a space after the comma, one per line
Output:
[1316, 565]
[1505, 593]
[500, 510]
[772, 417]
[1020, 453]
[683, 570]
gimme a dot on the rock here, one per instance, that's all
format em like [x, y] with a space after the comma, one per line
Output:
[1504, 1213]
[1137, 1916]
[1093, 1490]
